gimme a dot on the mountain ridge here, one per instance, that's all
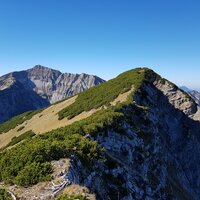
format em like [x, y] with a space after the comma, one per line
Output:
[145, 147]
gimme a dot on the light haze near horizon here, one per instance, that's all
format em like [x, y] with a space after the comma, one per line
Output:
[103, 37]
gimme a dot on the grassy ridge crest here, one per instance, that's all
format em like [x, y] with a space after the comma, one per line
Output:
[105, 93]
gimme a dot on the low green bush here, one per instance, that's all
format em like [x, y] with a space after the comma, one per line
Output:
[4, 195]
[26, 164]
[15, 163]
[71, 197]
[15, 121]
[24, 136]
[33, 173]
[20, 128]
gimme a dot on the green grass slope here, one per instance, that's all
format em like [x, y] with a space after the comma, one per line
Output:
[15, 121]
[17, 139]
[105, 93]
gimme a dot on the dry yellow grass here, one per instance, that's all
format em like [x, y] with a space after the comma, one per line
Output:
[40, 123]
[47, 120]
[78, 189]
[122, 97]
[196, 116]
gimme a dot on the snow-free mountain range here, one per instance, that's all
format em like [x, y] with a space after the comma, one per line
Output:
[135, 137]
[39, 87]
[193, 93]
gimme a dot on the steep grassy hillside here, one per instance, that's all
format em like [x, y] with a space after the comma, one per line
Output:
[27, 163]
[15, 121]
[41, 122]
[105, 93]
[20, 138]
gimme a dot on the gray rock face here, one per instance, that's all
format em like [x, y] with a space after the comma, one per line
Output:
[153, 153]
[195, 95]
[38, 87]
[177, 97]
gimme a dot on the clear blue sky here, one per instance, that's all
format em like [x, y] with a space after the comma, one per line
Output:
[103, 37]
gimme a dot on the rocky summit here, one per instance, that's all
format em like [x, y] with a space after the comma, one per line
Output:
[135, 137]
[38, 87]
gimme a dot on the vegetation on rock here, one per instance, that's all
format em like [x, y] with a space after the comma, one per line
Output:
[4, 195]
[29, 162]
[105, 93]
[24, 136]
[72, 197]
[15, 121]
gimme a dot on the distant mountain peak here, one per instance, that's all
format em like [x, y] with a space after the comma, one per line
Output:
[38, 87]
[184, 88]
[195, 95]
[40, 67]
